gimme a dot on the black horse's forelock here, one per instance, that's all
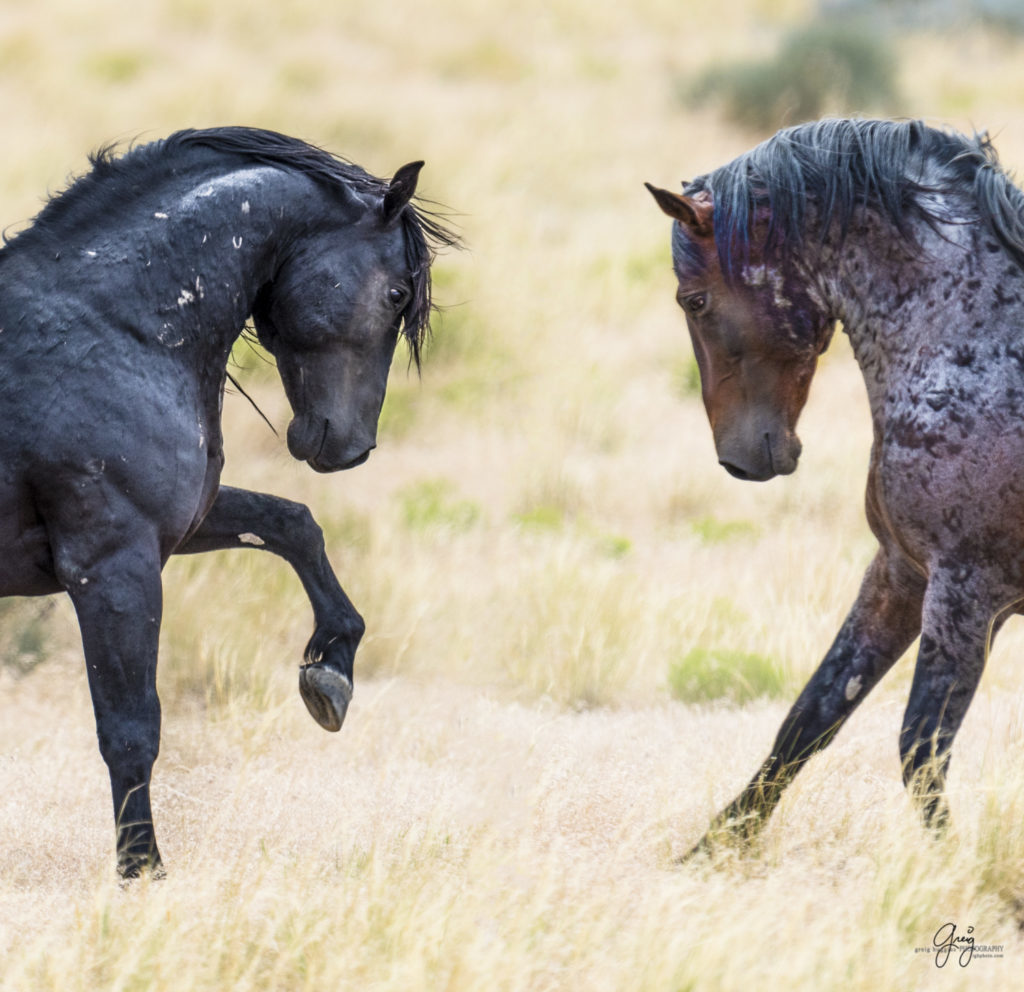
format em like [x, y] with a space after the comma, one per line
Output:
[114, 171]
[838, 166]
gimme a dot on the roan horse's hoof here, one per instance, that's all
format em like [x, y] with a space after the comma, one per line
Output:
[326, 693]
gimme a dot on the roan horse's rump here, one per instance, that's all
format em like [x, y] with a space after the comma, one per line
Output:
[118, 309]
[913, 238]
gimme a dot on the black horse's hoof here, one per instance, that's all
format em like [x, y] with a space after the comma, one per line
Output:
[326, 693]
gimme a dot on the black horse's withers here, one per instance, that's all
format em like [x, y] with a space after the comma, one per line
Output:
[118, 309]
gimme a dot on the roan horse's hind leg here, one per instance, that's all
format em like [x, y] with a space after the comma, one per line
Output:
[243, 519]
[882, 624]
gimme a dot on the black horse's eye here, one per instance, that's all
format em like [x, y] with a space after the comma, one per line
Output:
[397, 296]
[695, 303]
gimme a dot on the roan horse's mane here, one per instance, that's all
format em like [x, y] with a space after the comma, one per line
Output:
[115, 177]
[899, 169]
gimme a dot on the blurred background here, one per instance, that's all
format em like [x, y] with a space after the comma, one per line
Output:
[544, 513]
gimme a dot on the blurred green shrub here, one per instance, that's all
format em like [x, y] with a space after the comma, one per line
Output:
[838, 65]
[932, 14]
[706, 674]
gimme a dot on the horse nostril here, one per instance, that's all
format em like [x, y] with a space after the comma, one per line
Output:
[735, 471]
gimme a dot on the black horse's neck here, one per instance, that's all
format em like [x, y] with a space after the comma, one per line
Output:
[177, 265]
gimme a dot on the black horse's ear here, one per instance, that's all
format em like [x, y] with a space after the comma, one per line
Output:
[400, 190]
[695, 213]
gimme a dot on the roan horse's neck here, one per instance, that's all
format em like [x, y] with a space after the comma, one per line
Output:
[905, 305]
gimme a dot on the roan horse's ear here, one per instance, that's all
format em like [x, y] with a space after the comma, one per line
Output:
[695, 214]
[400, 190]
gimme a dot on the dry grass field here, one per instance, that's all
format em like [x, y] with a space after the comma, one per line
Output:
[582, 634]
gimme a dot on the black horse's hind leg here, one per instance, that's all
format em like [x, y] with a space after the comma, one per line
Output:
[243, 519]
[118, 602]
[955, 640]
[882, 624]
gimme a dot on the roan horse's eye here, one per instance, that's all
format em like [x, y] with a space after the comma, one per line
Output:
[695, 303]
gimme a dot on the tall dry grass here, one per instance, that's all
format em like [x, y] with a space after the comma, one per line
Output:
[541, 539]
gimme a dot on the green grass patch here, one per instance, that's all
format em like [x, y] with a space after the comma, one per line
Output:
[544, 516]
[711, 530]
[250, 360]
[685, 377]
[116, 66]
[614, 545]
[434, 503]
[399, 412]
[706, 674]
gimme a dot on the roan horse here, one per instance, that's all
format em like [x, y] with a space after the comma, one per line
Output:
[913, 238]
[119, 306]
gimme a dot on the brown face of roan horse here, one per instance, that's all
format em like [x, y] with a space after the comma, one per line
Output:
[756, 337]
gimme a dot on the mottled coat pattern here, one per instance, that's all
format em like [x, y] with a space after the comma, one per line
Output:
[913, 238]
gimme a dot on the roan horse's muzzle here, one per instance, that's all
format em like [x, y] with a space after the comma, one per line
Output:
[758, 459]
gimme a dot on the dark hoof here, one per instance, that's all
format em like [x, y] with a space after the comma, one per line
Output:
[737, 834]
[703, 849]
[326, 693]
[131, 868]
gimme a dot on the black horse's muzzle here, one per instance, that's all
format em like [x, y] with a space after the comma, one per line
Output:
[320, 464]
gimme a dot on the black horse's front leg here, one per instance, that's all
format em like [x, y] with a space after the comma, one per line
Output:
[243, 519]
[882, 624]
[118, 601]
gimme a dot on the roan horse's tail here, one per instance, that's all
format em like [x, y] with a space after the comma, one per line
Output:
[1001, 202]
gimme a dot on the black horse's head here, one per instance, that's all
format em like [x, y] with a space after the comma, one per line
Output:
[332, 315]
[757, 333]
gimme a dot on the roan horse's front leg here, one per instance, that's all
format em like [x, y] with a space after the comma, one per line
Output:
[961, 617]
[882, 624]
[243, 519]
[118, 601]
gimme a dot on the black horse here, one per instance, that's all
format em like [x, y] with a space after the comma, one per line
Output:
[119, 306]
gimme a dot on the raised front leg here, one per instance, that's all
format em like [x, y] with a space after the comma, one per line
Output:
[243, 519]
[882, 624]
[957, 629]
[118, 601]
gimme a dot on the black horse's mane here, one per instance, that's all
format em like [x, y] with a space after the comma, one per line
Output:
[897, 168]
[116, 174]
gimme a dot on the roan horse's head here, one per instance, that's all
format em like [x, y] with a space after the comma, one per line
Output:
[757, 333]
[331, 318]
